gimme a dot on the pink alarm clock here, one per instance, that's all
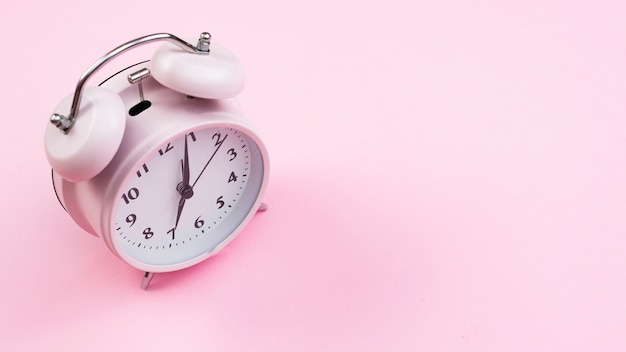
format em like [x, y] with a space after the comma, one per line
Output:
[158, 160]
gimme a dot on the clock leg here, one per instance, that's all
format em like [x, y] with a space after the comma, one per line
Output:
[145, 282]
[263, 207]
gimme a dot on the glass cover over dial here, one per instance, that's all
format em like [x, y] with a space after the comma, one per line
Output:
[188, 196]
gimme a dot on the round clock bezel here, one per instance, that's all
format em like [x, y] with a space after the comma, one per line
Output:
[259, 171]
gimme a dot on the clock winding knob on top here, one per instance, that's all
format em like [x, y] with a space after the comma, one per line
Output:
[92, 142]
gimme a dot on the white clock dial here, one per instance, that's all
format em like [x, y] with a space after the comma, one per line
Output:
[188, 196]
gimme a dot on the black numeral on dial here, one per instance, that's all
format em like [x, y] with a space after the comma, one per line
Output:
[199, 222]
[132, 194]
[232, 153]
[217, 137]
[130, 219]
[148, 233]
[168, 147]
[145, 170]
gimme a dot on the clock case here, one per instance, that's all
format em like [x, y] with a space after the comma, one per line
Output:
[92, 203]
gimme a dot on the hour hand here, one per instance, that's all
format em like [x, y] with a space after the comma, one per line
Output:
[181, 204]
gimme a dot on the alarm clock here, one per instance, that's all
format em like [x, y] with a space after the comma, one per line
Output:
[158, 160]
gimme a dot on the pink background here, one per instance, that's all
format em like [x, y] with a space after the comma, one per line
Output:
[446, 176]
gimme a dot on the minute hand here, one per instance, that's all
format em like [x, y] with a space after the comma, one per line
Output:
[219, 145]
[183, 188]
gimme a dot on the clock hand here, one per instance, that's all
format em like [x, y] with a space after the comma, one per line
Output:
[181, 204]
[219, 145]
[186, 165]
[183, 188]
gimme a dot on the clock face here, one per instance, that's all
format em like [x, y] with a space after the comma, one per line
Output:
[186, 198]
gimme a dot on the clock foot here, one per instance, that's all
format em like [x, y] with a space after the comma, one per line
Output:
[145, 282]
[263, 207]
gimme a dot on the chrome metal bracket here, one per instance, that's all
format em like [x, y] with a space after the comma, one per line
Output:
[65, 123]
